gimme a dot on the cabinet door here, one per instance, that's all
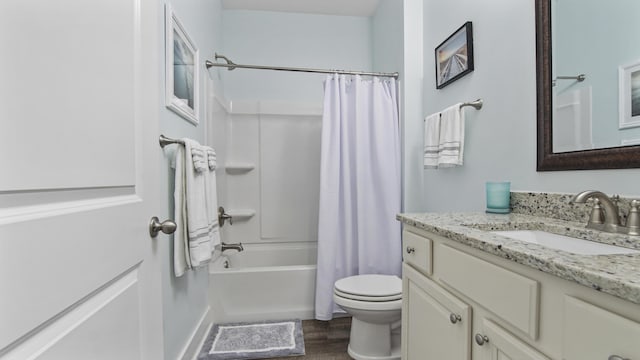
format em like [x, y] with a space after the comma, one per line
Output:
[593, 333]
[499, 344]
[435, 324]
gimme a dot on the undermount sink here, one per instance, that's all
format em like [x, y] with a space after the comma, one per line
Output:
[565, 243]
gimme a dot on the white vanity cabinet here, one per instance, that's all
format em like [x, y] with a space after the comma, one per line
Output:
[591, 332]
[463, 303]
[435, 324]
[499, 344]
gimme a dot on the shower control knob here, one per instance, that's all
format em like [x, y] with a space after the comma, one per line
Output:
[616, 357]
[454, 318]
[155, 226]
[222, 216]
[481, 339]
[410, 250]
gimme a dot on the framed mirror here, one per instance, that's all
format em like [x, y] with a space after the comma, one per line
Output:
[557, 82]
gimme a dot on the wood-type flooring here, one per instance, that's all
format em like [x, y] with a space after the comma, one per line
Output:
[325, 340]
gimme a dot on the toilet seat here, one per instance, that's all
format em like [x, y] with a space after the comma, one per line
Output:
[367, 305]
[367, 298]
[370, 286]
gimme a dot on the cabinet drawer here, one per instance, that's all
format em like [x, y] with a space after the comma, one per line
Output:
[512, 297]
[417, 251]
[591, 332]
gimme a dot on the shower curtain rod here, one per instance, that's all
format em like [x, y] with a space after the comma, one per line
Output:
[231, 65]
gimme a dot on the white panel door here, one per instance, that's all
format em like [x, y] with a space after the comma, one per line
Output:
[76, 122]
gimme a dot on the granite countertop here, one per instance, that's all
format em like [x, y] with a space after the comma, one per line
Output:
[618, 275]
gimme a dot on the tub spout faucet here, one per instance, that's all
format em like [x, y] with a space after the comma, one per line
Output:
[224, 247]
[611, 217]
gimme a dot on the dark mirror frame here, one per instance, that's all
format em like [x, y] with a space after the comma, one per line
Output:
[609, 158]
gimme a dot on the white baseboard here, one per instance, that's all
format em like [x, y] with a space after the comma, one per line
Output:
[192, 347]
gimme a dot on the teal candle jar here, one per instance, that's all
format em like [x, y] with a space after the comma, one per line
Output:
[498, 197]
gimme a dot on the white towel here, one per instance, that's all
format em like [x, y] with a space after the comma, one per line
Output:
[451, 144]
[212, 197]
[197, 221]
[431, 140]
[211, 158]
[198, 156]
[181, 259]
[200, 221]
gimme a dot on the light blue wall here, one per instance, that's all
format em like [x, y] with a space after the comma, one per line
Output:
[412, 82]
[397, 47]
[501, 138]
[185, 298]
[595, 38]
[387, 36]
[295, 40]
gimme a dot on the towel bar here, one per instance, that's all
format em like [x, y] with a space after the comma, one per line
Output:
[474, 104]
[164, 141]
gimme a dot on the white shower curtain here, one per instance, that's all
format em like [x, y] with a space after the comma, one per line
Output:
[359, 184]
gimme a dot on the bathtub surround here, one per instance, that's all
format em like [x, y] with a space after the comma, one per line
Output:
[278, 282]
[359, 184]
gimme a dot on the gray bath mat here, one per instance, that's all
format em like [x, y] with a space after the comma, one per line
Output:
[261, 340]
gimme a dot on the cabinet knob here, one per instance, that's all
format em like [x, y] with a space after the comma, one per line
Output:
[454, 318]
[410, 250]
[482, 339]
[616, 357]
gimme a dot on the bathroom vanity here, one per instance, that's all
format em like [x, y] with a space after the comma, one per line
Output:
[470, 293]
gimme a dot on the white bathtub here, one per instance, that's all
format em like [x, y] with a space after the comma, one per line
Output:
[264, 282]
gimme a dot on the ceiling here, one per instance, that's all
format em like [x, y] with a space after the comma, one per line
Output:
[327, 7]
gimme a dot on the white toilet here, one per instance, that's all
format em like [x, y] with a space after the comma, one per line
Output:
[375, 303]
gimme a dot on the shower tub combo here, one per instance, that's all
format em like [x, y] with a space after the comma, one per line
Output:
[264, 282]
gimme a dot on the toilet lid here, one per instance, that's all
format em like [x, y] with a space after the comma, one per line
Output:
[370, 286]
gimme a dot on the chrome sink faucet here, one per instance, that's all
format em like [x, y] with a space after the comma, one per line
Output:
[611, 221]
[611, 217]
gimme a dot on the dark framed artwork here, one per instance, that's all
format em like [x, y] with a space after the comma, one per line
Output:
[454, 56]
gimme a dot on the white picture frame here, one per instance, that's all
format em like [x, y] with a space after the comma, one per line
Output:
[629, 95]
[182, 73]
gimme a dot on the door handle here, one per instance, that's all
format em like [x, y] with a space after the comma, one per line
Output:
[155, 226]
